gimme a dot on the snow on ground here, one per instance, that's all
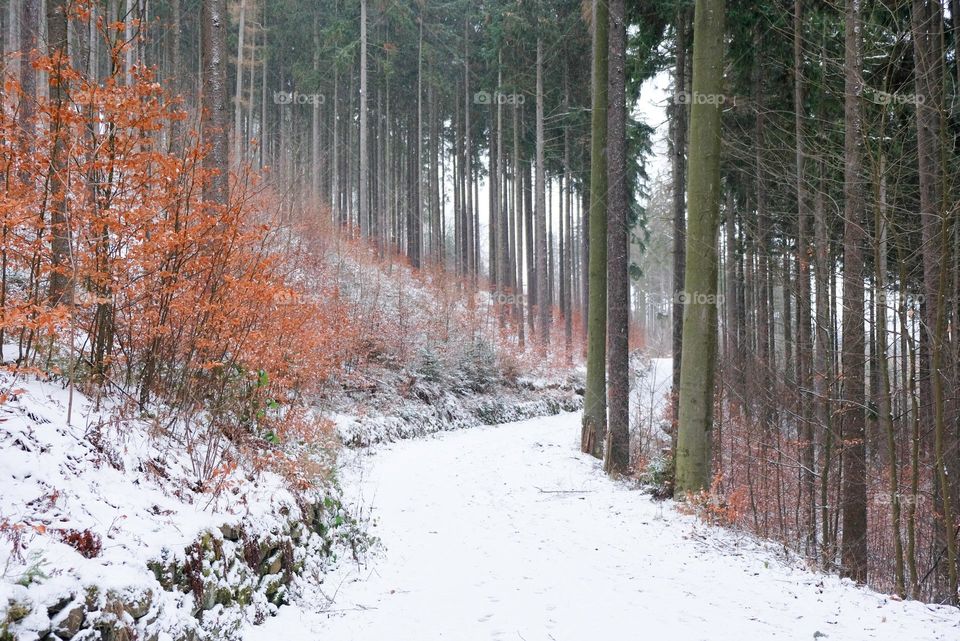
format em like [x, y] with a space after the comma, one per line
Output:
[109, 479]
[510, 533]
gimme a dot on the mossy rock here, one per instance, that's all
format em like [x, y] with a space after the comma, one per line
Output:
[165, 572]
[273, 565]
[69, 621]
[268, 547]
[231, 532]
[113, 625]
[296, 531]
[244, 596]
[224, 596]
[17, 611]
[137, 605]
[209, 598]
[276, 591]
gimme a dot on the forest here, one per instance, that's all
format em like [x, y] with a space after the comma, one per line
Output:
[697, 257]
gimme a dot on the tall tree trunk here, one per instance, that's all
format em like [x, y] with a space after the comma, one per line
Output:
[518, 226]
[595, 398]
[414, 220]
[316, 160]
[436, 215]
[567, 256]
[61, 276]
[214, 121]
[335, 147]
[823, 355]
[678, 171]
[618, 288]
[927, 32]
[262, 150]
[543, 305]
[493, 202]
[804, 251]
[238, 141]
[128, 35]
[532, 281]
[29, 28]
[363, 194]
[854, 539]
[503, 233]
[176, 65]
[468, 158]
[699, 354]
[884, 402]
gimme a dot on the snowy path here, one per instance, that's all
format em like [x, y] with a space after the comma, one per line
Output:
[509, 533]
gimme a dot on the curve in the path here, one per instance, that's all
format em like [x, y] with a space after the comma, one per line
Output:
[510, 533]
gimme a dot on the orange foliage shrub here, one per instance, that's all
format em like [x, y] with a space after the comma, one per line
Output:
[172, 298]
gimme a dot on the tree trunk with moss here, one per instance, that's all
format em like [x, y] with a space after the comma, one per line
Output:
[617, 454]
[595, 396]
[699, 353]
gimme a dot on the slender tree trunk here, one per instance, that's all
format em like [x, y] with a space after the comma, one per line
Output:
[804, 251]
[436, 222]
[238, 141]
[823, 359]
[128, 35]
[854, 541]
[316, 160]
[678, 177]
[29, 28]
[61, 276]
[532, 279]
[884, 403]
[363, 195]
[214, 122]
[262, 156]
[518, 226]
[503, 233]
[567, 256]
[335, 146]
[468, 158]
[595, 397]
[543, 305]
[493, 202]
[618, 288]
[927, 33]
[248, 129]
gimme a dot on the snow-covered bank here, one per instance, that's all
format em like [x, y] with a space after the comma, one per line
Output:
[510, 533]
[106, 534]
[431, 407]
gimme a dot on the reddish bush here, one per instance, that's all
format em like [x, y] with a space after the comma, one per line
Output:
[85, 542]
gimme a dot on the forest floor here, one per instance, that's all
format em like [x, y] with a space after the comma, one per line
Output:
[508, 532]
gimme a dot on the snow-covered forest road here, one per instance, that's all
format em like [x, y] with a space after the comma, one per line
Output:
[510, 533]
